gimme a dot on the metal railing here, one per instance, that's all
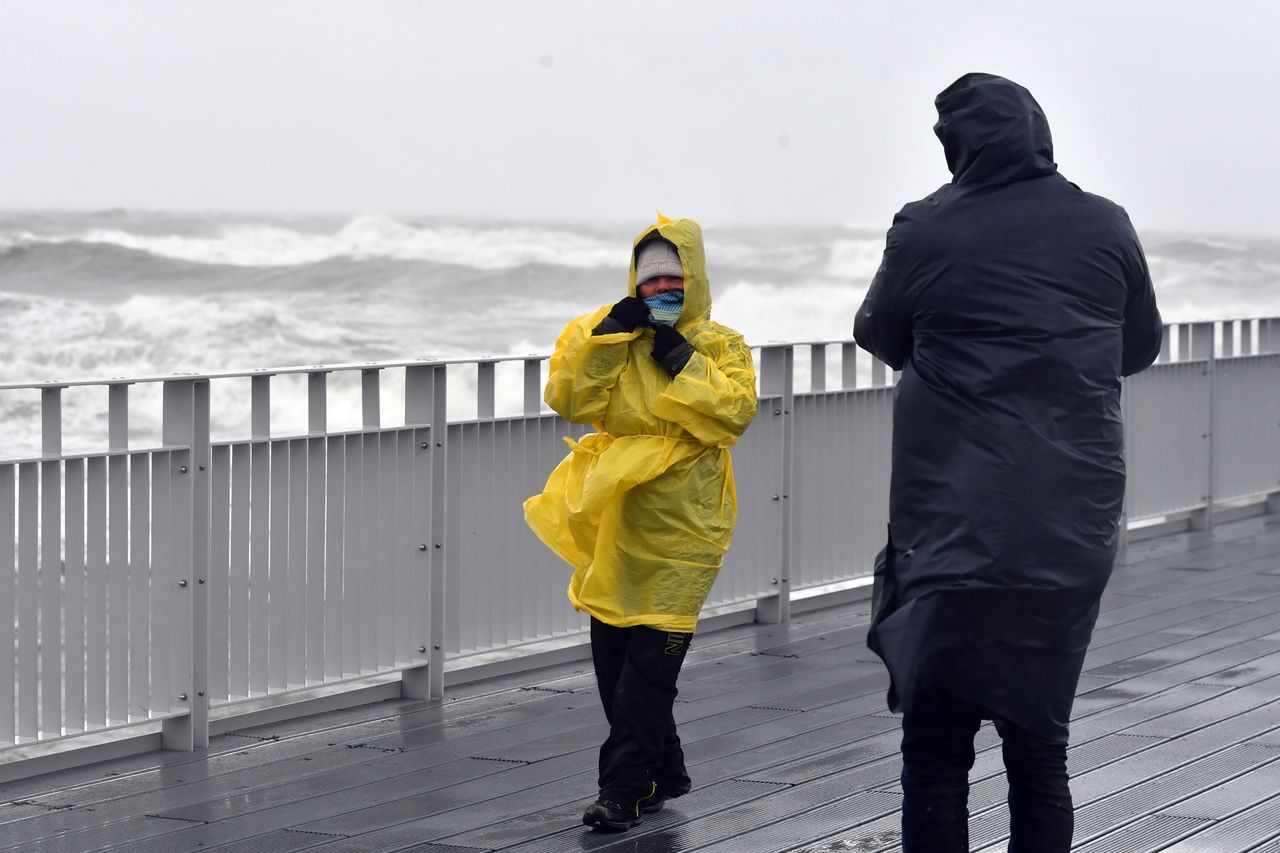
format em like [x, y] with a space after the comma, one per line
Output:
[194, 578]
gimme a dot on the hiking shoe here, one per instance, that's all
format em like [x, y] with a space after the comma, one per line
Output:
[608, 815]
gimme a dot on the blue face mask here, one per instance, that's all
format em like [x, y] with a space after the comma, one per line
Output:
[665, 307]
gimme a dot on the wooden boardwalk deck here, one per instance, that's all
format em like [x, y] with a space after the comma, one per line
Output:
[1175, 746]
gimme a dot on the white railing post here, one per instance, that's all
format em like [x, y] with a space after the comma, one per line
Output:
[201, 521]
[485, 388]
[777, 372]
[1202, 519]
[318, 402]
[1269, 335]
[370, 398]
[818, 367]
[179, 567]
[1183, 333]
[426, 403]
[532, 387]
[879, 373]
[1166, 345]
[848, 366]
[1201, 340]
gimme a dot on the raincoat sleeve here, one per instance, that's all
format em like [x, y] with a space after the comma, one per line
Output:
[585, 368]
[1143, 328]
[714, 396]
[882, 325]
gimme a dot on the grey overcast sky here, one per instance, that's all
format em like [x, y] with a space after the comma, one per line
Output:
[727, 110]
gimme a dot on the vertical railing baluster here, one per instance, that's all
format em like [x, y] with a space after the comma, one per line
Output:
[371, 552]
[8, 553]
[388, 557]
[163, 697]
[96, 592]
[118, 592]
[259, 535]
[278, 559]
[523, 610]
[140, 584]
[238, 576]
[404, 546]
[28, 601]
[299, 495]
[334, 526]
[74, 578]
[370, 589]
[317, 484]
[354, 558]
[220, 573]
[1166, 345]
[51, 563]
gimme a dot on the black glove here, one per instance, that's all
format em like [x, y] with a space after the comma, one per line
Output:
[670, 349]
[627, 313]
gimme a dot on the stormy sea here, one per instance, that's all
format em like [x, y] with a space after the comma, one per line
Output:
[124, 293]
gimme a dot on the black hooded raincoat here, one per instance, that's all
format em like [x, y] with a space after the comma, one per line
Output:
[1013, 302]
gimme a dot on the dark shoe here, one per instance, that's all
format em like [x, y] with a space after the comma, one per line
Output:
[608, 815]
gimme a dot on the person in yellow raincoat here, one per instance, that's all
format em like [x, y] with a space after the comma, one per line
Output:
[644, 508]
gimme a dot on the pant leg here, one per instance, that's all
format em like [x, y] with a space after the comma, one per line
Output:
[937, 754]
[1041, 819]
[642, 714]
[669, 772]
[608, 652]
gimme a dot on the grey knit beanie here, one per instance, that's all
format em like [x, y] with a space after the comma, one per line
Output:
[656, 258]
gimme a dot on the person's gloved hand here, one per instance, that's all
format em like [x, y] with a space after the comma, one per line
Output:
[625, 315]
[670, 348]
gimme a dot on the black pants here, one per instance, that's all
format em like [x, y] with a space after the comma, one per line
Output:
[937, 754]
[636, 671]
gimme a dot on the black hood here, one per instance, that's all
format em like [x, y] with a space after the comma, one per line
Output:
[993, 131]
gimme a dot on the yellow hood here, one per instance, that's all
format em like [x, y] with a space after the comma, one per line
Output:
[686, 236]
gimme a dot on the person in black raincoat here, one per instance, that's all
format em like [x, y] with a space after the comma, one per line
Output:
[1013, 302]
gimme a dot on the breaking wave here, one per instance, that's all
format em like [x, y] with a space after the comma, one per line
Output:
[363, 238]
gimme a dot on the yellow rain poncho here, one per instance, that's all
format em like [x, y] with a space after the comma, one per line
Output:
[644, 508]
